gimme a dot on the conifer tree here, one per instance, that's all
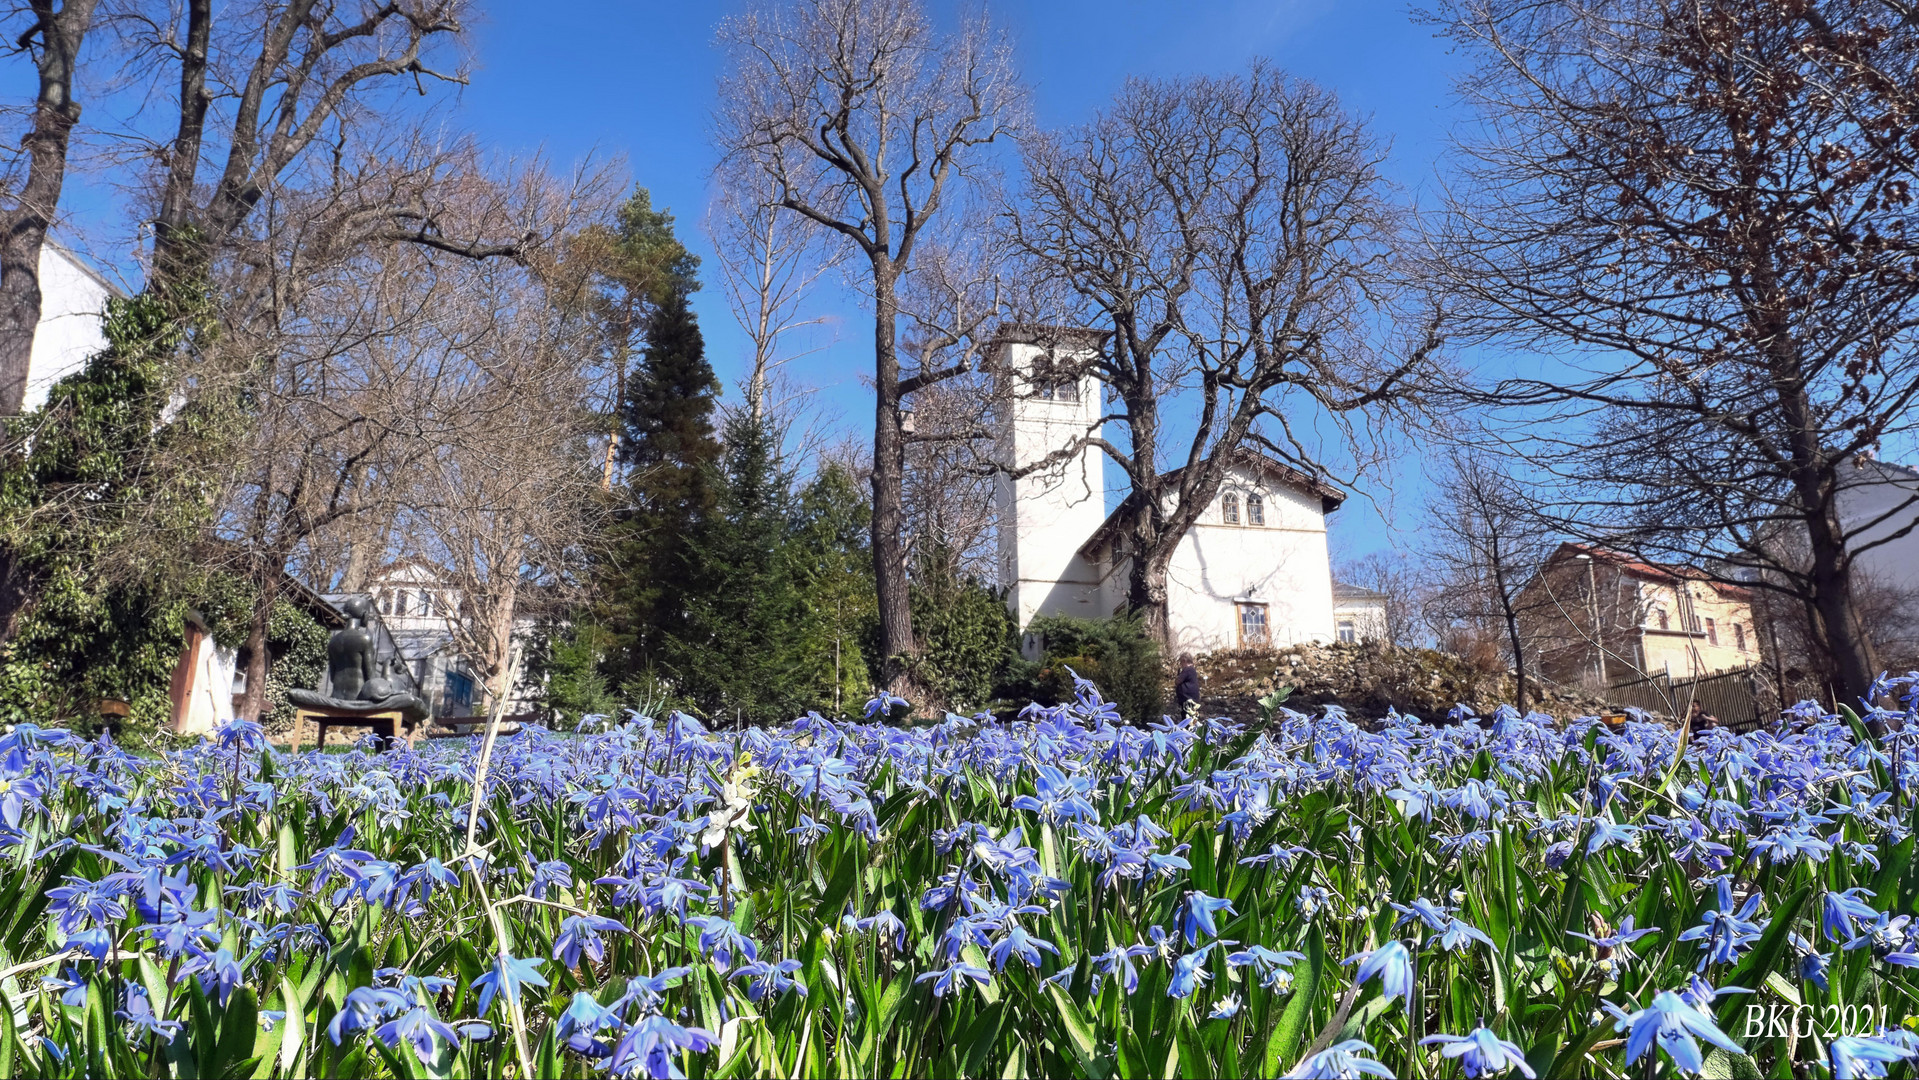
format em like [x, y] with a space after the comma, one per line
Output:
[739, 653]
[670, 454]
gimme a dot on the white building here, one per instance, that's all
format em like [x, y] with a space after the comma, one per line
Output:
[73, 302]
[419, 609]
[1879, 509]
[1253, 570]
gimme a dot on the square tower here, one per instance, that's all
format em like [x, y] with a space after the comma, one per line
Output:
[1049, 401]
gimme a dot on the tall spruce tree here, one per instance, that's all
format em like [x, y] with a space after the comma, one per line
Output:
[740, 653]
[670, 456]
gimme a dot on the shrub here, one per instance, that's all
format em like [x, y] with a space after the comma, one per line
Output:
[1117, 653]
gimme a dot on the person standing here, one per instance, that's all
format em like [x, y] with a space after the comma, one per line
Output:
[1186, 687]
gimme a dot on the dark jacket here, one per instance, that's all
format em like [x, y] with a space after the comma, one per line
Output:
[1187, 687]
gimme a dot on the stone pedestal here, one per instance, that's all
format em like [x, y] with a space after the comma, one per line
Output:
[390, 723]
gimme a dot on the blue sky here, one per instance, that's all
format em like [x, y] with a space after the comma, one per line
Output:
[638, 80]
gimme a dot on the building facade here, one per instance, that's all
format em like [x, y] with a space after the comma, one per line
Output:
[1253, 570]
[1599, 617]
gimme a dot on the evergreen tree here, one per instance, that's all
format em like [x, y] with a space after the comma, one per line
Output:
[670, 453]
[833, 567]
[739, 653]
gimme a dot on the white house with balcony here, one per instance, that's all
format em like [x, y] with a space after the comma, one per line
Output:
[1253, 571]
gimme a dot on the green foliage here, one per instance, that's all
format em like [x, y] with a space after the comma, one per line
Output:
[297, 644]
[671, 456]
[833, 569]
[95, 491]
[967, 640]
[1117, 653]
[736, 651]
[567, 660]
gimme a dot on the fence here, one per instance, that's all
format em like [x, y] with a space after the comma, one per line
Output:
[1732, 696]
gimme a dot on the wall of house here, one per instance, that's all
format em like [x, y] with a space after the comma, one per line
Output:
[1685, 649]
[1878, 501]
[1045, 516]
[72, 302]
[1282, 564]
[1368, 617]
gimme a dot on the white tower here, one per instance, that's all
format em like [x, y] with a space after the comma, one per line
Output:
[1046, 514]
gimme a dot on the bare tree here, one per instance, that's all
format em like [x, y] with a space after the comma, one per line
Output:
[1229, 239]
[506, 509]
[53, 37]
[1705, 205]
[870, 123]
[1485, 545]
[770, 260]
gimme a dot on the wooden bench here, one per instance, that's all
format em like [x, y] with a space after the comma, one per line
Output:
[391, 724]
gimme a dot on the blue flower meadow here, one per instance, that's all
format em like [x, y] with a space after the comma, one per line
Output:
[1059, 895]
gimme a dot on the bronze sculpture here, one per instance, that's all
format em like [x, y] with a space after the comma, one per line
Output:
[360, 679]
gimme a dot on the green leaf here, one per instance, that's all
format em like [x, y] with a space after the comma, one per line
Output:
[1084, 1046]
[1283, 1045]
[293, 1038]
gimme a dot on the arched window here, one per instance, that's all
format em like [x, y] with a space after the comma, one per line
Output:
[1665, 621]
[1255, 510]
[1229, 509]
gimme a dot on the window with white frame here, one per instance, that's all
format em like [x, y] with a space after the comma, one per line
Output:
[1229, 508]
[1348, 631]
[1255, 510]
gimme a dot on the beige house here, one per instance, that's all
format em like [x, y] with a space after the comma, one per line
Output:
[1592, 615]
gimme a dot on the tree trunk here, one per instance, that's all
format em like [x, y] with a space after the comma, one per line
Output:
[16, 590]
[1835, 609]
[174, 257]
[1146, 584]
[889, 480]
[25, 228]
[499, 634]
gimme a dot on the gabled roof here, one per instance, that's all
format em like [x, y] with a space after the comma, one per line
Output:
[1282, 474]
[1663, 573]
[1343, 591]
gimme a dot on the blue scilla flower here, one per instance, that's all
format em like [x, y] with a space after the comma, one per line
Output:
[1196, 912]
[580, 937]
[1841, 910]
[884, 704]
[582, 1022]
[1348, 1059]
[242, 734]
[505, 978]
[139, 1013]
[1393, 966]
[1673, 1025]
[1017, 942]
[1189, 972]
[946, 978]
[652, 1046]
[1724, 932]
[1861, 1056]
[364, 1008]
[1225, 1008]
[419, 1029]
[770, 979]
[1117, 963]
[1480, 1053]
